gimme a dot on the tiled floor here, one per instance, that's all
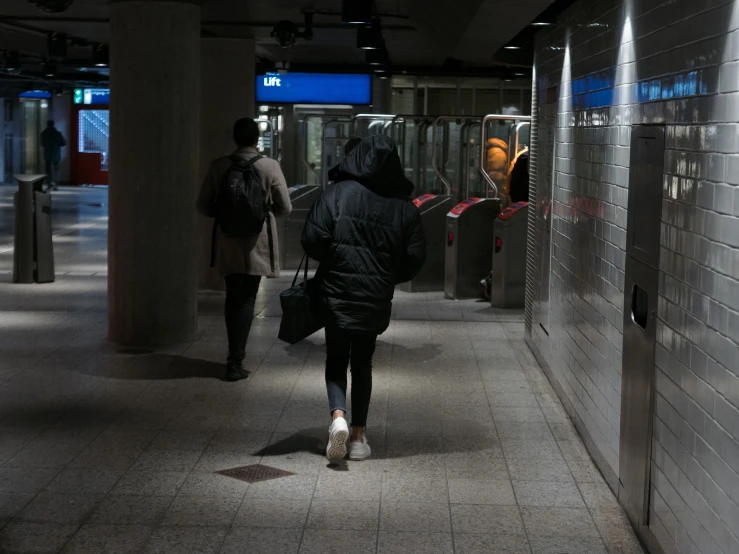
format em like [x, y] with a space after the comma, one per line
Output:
[104, 450]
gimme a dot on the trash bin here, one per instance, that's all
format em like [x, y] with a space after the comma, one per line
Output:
[510, 231]
[33, 252]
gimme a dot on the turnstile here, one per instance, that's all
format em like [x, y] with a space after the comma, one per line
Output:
[290, 228]
[469, 246]
[433, 208]
[510, 231]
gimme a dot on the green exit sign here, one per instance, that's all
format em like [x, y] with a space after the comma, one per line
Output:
[78, 96]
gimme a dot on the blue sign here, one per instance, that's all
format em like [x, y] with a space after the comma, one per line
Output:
[35, 94]
[96, 96]
[314, 88]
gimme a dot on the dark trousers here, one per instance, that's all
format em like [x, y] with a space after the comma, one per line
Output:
[343, 348]
[241, 294]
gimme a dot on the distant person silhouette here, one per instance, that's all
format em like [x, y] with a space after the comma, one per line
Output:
[52, 142]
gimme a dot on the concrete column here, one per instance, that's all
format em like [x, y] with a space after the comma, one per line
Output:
[227, 85]
[155, 162]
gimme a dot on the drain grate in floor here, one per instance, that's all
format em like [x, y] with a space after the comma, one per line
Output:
[254, 473]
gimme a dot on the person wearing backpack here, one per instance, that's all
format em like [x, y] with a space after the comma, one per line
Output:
[243, 192]
[368, 237]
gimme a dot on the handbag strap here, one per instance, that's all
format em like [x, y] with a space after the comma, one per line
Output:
[305, 274]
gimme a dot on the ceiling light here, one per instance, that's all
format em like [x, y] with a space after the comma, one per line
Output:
[520, 74]
[356, 12]
[542, 22]
[377, 57]
[369, 37]
[52, 6]
[100, 55]
[49, 68]
[512, 46]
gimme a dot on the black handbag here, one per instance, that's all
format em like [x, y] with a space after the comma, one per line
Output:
[300, 314]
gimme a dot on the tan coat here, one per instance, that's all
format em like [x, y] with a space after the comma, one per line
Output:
[250, 256]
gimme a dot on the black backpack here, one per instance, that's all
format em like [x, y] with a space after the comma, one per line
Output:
[241, 209]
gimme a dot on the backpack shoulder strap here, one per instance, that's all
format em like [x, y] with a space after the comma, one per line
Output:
[255, 159]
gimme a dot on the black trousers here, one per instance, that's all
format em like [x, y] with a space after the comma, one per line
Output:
[343, 348]
[241, 294]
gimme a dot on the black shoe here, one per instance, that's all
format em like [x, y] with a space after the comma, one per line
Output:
[236, 372]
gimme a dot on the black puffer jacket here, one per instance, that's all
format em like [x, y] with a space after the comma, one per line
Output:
[367, 236]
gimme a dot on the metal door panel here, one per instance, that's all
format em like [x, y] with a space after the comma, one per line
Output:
[637, 394]
[645, 192]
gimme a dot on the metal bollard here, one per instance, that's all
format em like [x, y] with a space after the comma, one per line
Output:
[33, 254]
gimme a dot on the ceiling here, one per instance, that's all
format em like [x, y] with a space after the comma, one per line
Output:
[420, 35]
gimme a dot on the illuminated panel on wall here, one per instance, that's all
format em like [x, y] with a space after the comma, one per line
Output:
[314, 88]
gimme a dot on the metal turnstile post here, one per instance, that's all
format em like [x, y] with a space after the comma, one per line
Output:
[433, 210]
[469, 246]
[510, 233]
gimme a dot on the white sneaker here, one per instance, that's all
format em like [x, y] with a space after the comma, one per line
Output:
[359, 450]
[338, 434]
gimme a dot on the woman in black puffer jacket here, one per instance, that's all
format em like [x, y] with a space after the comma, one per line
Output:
[368, 237]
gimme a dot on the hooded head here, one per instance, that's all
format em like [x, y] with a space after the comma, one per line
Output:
[375, 163]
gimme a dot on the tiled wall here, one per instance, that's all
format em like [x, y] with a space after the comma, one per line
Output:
[607, 65]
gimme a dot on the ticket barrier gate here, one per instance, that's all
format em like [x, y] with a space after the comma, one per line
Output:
[469, 246]
[433, 208]
[510, 234]
[290, 228]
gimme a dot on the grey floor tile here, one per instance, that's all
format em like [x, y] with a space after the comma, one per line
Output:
[109, 539]
[505, 415]
[390, 542]
[262, 541]
[131, 509]
[484, 464]
[20, 537]
[396, 489]
[417, 517]
[519, 431]
[478, 491]
[166, 460]
[613, 525]
[560, 522]
[539, 469]
[271, 512]
[185, 540]
[25, 481]
[182, 440]
[213, 484]
[513, 399]
[295, 487]
[211, 461]
[349, 487]
[59, 508]
[491, 544]
[150, 483]
[320, 541]
[537, 450]
[599, 496]
[585, 471]
[344, 515]
[544, 493]
[84, 481]
[210, 511]
[105, 458]
[571, 545]
[11, 503]
[482, 519]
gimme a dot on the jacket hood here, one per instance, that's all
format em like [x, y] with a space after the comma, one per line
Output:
[374, 163]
